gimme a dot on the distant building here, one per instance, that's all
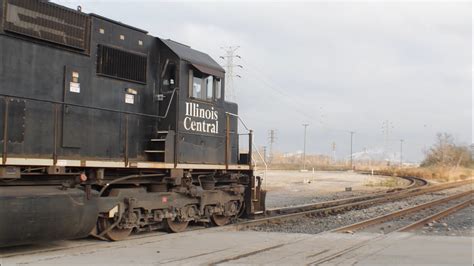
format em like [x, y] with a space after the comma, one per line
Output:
[472, 150]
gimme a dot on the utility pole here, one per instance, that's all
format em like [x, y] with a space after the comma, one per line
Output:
[229, 66]
[271, 141]
[387, 126]
[352, 134]
[334, 152]
[401, 153]
[304, 147]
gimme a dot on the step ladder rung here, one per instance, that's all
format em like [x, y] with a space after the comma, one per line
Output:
[154, 140]
[154, 151]
[162, 132]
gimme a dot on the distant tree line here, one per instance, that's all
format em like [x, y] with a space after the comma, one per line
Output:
[445, 152]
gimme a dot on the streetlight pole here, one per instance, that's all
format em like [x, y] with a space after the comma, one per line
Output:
[352, 134]
[304, 147]
[401, 153]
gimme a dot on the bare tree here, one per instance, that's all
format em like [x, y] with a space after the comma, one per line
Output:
[446, 153]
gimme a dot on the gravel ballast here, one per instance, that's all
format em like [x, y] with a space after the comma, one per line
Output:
[460, 223]
[314, 225]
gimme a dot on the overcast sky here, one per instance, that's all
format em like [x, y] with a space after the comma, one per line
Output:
[339, 66]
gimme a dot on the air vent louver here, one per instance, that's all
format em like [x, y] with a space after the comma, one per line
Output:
[120, 64]
[48, 22]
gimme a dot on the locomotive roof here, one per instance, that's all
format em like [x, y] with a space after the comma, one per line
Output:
[118, 23]
[194, 57]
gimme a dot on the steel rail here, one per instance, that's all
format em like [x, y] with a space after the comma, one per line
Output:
[437, 216]
[415, 185]
[393, 215]
[364, 243]
[307, 207]
[345, 206]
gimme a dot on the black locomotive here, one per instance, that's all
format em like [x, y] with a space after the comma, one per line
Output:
[105, 130]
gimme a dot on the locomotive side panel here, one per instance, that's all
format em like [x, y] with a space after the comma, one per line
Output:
[44, 71]
[31, 74]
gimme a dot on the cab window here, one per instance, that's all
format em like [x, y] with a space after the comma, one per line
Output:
[218, 88]
[197, 87]
[209, 88]
[204, 86]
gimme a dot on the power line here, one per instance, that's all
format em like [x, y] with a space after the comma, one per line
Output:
[288, 101]
[294, 102]
[262, 75]
[258, 75]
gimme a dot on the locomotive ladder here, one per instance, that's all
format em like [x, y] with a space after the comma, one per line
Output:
[158, 147]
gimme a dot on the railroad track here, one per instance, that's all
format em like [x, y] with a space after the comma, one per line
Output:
[414, 210]
[418, 187]
[456, 202]
[415, 183]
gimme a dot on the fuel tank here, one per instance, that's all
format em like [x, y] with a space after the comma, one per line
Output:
[32, 214]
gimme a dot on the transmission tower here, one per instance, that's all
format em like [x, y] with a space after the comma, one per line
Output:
[271, 141]
[387, 128]
[229, 66]
[265, 153]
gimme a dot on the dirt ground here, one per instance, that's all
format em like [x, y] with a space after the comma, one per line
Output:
[288, 188]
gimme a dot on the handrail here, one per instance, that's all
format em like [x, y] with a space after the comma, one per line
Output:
[240, 119]
[264, 163]
[169, 103]
[255, 147]
[92, 107]
[56, 104]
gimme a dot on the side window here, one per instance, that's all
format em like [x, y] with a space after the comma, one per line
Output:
[203, 86]
[210, 88]
[197, 87]
[218, 86]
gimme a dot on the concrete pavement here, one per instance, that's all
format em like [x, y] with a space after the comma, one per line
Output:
[218, 246]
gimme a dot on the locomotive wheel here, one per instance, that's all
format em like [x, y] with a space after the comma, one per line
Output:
[220, 220]
[115, 234]
[174, 226]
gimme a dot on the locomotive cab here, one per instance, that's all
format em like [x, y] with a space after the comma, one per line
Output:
[198, 117]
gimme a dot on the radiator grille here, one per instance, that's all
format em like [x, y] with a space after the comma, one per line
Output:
[47, 22]
[120, 64]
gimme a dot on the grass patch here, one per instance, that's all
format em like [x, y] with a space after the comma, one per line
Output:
[439, 174]
[390, 182]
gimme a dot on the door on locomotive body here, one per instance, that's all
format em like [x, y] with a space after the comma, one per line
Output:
[202, 118]
[85, 131]
[77, 92]
[169, 84]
